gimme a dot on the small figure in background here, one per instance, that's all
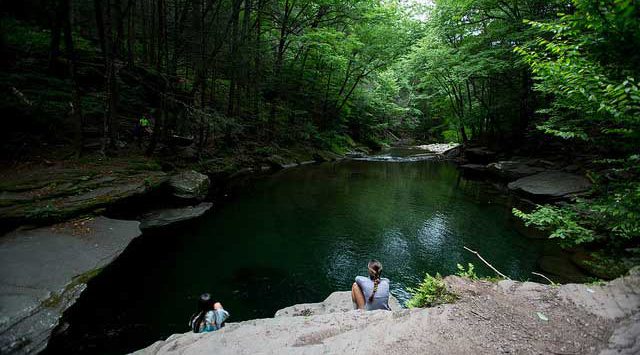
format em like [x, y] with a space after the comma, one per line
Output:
[210, 316]
[142, 129]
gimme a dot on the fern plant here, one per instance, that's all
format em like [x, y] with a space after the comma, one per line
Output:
[431, 292]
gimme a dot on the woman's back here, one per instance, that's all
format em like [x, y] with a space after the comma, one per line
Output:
[380, 298]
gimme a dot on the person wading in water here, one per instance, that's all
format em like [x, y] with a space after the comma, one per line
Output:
[371, 292]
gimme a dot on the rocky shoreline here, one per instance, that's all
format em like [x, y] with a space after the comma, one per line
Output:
[488, 318]
[43, 270]
[41, 276]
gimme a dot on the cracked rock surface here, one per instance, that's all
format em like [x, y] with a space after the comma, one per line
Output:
[44, 270]
[489, 318]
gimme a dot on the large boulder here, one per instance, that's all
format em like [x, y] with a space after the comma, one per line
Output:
[336, 302]
[551, 184]
[452, 153]
[44, 270]
[164, 217]
[190, 185]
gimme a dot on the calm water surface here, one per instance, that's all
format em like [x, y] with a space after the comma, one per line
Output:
[295, 237]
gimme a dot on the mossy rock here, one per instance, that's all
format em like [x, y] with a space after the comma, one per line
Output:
[601, 265]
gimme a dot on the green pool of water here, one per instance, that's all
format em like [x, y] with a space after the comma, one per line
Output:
[295, 237]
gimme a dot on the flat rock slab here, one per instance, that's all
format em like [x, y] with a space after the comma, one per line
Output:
[489, 318]
[43, 271]
[509, 169]
[65, 194]
[164, 217]
[336, 302]
[551, 184]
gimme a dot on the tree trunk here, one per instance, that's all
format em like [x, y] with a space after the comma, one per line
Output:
[56, 29]
[66, 20]
[232, 109]
[111, 87]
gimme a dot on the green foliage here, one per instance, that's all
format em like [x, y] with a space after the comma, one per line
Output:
[469, 273]
[606, 266]
[613, 215]
[451, 135]
[335, 142]
[27, 38]
[586, 69]
[463, 68]
[431, 292]
[562, 223]
[585, 63]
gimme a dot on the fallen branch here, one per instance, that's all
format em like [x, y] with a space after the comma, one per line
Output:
[544, 277]
[487, 263]
[21, 96]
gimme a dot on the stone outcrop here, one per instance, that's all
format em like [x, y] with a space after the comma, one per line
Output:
[488, 318]
[336, 302]
[451, 149]
[512, 170]
[165, 217]
[189, 185]
[61, 194]
[551, 184]
[279, 163]
[44, 270]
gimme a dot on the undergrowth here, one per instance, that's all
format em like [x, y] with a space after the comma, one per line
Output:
[431, 292]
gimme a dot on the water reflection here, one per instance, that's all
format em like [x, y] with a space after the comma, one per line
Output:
[433, 233]
[295, 237]
[342, 256]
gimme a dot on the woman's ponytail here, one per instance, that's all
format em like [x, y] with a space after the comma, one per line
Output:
[205, 304]
[375, 270]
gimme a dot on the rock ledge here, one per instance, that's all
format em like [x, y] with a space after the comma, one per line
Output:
[489, 318]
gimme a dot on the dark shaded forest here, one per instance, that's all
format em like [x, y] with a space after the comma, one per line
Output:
[220, 73]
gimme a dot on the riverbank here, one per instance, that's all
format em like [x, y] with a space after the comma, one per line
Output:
[58, 238]
[488, 318]
[178, 194]
[43, 192]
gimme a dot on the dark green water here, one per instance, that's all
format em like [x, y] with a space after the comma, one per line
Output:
[295, 237]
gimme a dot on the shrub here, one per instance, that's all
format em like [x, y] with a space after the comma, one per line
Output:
[431, 292]
[469, 273]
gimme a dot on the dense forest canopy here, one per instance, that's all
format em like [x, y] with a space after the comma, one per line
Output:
[275, 70]
[263, 74]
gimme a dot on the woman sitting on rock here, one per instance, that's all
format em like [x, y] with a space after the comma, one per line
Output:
[371, 292]
[210, 315]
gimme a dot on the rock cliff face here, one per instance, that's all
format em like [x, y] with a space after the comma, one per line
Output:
[489, 318]
[44, 270]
